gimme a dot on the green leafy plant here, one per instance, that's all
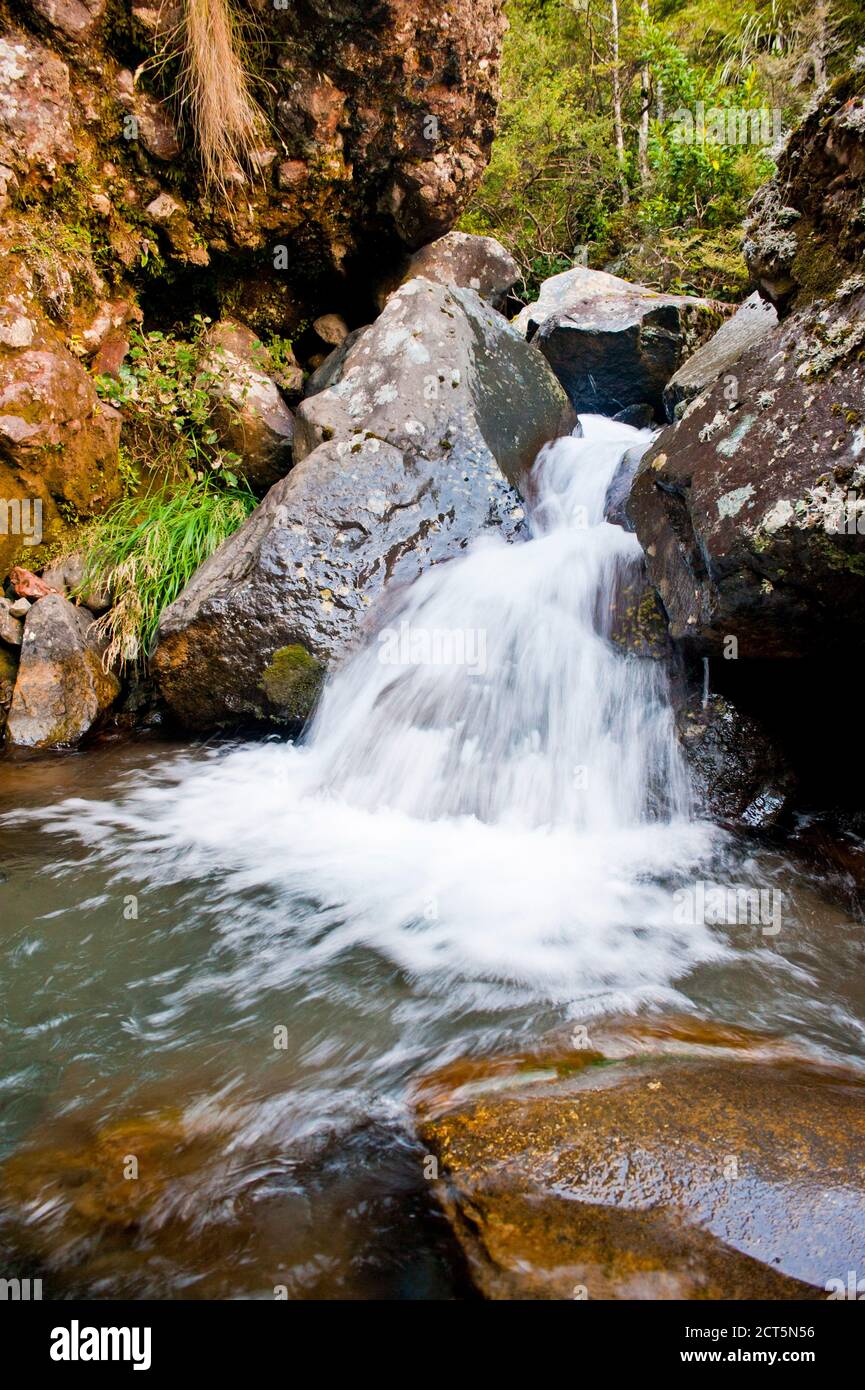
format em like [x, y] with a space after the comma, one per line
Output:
[166, 398]
[144, 550]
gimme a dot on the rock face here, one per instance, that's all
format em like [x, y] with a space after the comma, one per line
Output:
[805, 233]
[752, 322]
[477, 263]
[58, 441]
[382, 117]
[613, 344]
[749, 508]
[250, 415]
[417, 443]
[719, 1174]
[61, 690]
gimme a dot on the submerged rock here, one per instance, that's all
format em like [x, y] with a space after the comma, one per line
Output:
[470, 262]
[61, 690]
[613, 344]
[697, 1164]
[428, 422]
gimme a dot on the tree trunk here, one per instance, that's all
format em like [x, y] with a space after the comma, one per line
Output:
[643, 137]
[617, 99]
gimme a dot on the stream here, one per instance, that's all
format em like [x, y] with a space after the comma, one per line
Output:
[233, 960]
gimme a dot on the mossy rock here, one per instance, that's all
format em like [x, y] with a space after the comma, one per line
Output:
[291, 681]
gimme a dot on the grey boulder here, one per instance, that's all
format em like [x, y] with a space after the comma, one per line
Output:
[753, 321]
[62, 689]
[613, 344]
[432, 417]
[478, 263]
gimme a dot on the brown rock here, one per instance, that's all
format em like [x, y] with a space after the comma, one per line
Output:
[75, 20]
[28, 585]
[707, 1174]
[36, 110]
[332, 329]
[61, 690]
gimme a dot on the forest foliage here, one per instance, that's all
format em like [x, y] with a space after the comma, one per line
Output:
[594, 163]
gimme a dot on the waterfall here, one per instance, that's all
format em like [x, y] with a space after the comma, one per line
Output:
[493, 689]
[490, 797]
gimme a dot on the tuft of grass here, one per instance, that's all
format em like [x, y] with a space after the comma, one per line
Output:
[144, 550]
[214, 90]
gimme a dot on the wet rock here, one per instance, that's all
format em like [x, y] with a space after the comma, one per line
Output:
[61, 690]
[635, 621]
[440, 372]
[738, 774]
[619, 490]
[749, 510]
[752, 322]
[633, 1172]
[250, 416]
[478, 263]
[640, 417]
[613, 344]
[404, 457]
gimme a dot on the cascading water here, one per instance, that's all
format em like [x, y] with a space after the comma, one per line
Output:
[481, 835]
[491, 793]
[495, 691]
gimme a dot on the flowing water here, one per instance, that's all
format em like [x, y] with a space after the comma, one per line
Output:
[232, 961]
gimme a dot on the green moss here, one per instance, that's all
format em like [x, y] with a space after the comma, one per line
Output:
[292, 681]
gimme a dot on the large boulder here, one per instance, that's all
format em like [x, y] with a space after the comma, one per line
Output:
[660, 1162]
[459, 258]
[62, 689]
[748, 508]
[753, 321]
[429, 421]
[249, 413]
[613, 344]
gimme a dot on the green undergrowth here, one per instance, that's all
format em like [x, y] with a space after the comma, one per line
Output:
[144, 550]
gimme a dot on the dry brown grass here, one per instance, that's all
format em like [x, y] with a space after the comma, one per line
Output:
[214, 90]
